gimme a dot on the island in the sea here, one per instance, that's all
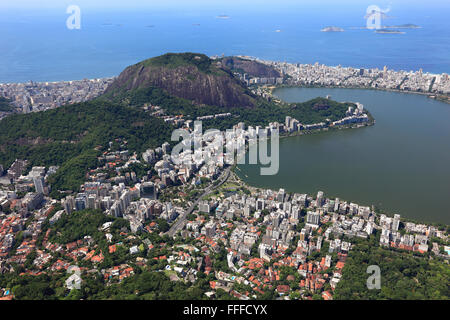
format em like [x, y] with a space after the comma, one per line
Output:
[332, 29]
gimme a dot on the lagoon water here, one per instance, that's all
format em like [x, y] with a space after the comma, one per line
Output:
[401, 164]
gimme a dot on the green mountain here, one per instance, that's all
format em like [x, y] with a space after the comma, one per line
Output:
[73, 136]
[190, 76]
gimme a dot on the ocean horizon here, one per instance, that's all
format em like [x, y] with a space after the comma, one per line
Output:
[38, 46]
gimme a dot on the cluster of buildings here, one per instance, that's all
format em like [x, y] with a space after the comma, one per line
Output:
[352, 116]
[29, 190]
[322, 75]
[416, 237]
[266, 224]
[39, 96]
[179, 120]
[214, 116]
[288, 221]
[124, 194]
[253, 80]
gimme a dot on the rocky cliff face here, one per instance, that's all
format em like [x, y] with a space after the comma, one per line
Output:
[190, 76]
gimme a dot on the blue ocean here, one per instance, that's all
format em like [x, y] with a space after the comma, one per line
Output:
[36, 44]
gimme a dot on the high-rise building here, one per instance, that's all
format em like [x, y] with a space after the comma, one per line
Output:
[287, 207]
[125, 200]
[396, 222]
[149, 155]
[165, 147]
[148, 189]
[165, 179]
[276, 221]
[247, 211]
[280, 196]
[295, 213]
[91, 201]
[80, 203]
[260, 204]
[210, 229]
[288, 122]
[320, 199]
[336, 205]
[313, 218]
[295, 125]
[69, 204]
[303, 234]
[39, 184]
[204, 207]
[106, 203]
[33, 200]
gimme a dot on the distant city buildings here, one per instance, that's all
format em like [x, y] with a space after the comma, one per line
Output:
[338, 76]
[39, 96]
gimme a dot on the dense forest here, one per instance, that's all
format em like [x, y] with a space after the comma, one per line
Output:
[404, 275]
[175, 60]
[143, 285]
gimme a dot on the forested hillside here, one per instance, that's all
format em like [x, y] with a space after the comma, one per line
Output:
[68, 135]
[404, 275]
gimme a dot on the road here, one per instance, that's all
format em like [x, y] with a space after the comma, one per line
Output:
[181, 220]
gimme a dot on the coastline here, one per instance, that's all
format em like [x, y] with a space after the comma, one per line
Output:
[344, 127]
[428, 94]
[378, 211]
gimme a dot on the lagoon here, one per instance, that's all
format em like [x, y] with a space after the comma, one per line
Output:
[401, 164]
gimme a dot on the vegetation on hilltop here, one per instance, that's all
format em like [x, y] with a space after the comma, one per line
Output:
[144, 285]
[404, 275]
[78, 225]
[175, 60]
